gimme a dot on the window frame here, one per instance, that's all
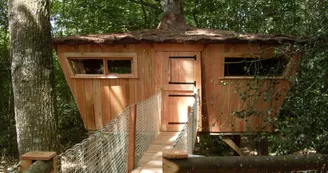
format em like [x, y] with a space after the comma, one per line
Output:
[104, 56]
[282, 76]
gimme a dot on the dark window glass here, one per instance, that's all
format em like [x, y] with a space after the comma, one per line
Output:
[254, 66]
[119, 66]
[87, 66]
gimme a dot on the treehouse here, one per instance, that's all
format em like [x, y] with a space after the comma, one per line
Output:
[242, 79]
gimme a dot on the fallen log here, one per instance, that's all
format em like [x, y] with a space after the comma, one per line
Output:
[232, 164]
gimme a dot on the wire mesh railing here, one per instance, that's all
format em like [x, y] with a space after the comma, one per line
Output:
[107, 150]
[147, 124]
[104, 151]
[187, 137]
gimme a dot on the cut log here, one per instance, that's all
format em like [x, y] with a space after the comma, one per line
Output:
[229, 164]
[40, 167]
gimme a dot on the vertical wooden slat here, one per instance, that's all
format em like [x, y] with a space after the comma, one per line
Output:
[132, 134]
[147, 73]
[105, 101]
[139, 82]
[123, 98]
[209, 90]
[80, 99]
[90, 117]
[112, 98]
[97, 103]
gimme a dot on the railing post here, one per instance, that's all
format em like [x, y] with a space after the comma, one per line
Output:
[28, 158]
[132, 135]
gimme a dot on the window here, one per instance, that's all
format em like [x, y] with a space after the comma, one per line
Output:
[119, 66]
[87, 66]
[103, 65]
[254, 66]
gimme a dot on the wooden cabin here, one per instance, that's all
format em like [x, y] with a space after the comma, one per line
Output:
[242, 79]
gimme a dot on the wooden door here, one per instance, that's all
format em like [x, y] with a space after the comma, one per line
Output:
[182, 77]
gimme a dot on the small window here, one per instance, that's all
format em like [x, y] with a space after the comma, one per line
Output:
[87, 66]
[102, 65]
[119, 66]
[254, 66]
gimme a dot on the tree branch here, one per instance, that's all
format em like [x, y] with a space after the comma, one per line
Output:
[195, 13]
[144, 12]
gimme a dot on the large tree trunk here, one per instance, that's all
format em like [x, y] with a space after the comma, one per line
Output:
[32, 75]
[173, 18]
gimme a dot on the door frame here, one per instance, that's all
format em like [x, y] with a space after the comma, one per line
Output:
[166, 87]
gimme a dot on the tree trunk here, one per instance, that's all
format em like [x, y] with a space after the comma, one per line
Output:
[32, 75]
[173, 18]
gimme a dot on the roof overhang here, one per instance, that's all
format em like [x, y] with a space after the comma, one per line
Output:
[192, 36]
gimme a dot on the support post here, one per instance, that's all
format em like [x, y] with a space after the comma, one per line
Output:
[262, 146]
[132, 135]
[236, 140]
[28, 158]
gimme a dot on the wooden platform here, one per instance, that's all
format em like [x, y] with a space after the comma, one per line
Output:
[151, 161]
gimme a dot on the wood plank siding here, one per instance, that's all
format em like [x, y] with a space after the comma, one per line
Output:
[223, 98]
[99, 100]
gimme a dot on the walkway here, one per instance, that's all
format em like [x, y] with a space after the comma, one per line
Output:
[151, 161]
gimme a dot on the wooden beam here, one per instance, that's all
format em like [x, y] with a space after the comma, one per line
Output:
[233, 145]
[236, 140]
[132, 134]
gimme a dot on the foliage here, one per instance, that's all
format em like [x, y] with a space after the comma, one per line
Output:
[303, 120]
[99, 16]
[8, 143]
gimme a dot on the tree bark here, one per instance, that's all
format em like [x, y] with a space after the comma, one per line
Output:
[32, 75]
[173, 18]
[235, 164]
[40, 167]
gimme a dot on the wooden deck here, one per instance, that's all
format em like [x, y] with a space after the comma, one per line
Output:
[151, 161]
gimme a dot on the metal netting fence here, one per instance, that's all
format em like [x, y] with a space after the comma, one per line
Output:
[104, 151]
[107, 149]
[147, 124]
[187, 137]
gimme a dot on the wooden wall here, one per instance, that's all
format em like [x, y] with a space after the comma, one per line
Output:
[223, 109]
[100, 100]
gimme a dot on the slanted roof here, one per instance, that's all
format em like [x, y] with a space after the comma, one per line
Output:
[192, 36]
